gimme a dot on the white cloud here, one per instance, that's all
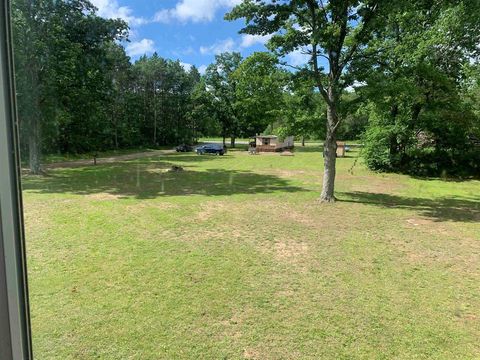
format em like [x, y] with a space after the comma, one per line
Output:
[229, 44]
[250, 40]
[202, 69]
[188, 51]
[194, 10]
[163, 16]
[110, 9]
[142, 47]
[186, 66]
[219, 47]
[356, 84]
[298, 58]
[179, 53]
[133, 34]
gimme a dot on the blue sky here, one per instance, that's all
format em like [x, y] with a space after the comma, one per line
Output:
[192, 31]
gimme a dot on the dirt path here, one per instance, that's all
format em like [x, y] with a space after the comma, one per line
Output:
[107, 160]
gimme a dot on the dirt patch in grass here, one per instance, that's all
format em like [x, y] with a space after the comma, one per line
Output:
[431, 226]
[251, 353]
[419, 221]
[139, 207]
[376, 185]
[290, 250]
[104, 196]
[434, 243]
[290, 173]
[234, 323]
[285, 251]
[293, 173]
[210, 209]
[300, 217]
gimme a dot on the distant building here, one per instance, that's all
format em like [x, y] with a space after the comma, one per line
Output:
[271, 143]
[341, 149]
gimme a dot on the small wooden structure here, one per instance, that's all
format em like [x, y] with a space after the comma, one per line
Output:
[271, 143]
[340, 149]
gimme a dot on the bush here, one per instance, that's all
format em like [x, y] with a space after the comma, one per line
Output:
[377, 148]
[463, 160]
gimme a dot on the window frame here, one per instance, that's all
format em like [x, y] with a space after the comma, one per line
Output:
[15, 330]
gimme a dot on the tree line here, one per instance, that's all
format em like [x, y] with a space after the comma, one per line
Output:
[403, 76]
[78, 91]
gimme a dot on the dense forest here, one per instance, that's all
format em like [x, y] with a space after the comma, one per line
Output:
[411, 92]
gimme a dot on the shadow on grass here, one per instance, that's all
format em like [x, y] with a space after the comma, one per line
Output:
[146, 156]
[191, 157]
[441, 209]
[309, 149]
[452, 179]
[319, 150]
[147, 180]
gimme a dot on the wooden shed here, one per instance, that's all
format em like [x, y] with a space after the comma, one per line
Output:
[271, 143]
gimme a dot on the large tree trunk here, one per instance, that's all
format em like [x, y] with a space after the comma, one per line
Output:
[115, 128]
[33, 115]
[232, 141]
[154, 115]
[116, 138]
[330, 154]
[330, 163]
[155, 130]
[224, 136]
[303, 140]
[34, 150]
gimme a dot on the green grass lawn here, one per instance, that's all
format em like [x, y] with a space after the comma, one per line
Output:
[234, 258]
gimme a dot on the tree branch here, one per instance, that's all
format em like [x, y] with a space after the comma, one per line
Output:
[318, 53]
[353, 49]
[303, 18]
[291, 66]
[324, 11]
